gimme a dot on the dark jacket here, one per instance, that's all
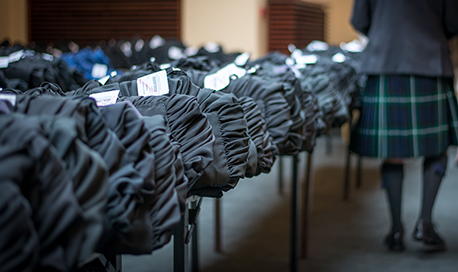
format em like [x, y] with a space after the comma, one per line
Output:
[407, 37]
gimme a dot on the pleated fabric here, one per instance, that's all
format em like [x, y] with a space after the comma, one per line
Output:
[89, 119]
[67, 128]
[134, 236]
[30, 162]
[296, 134]
[319, 82]
[259, 134]
[187, 126]
[281, 124]
[349, 84]
[314, 124]
[172, 183]
[89, 177]
[161, 162]
[131, 178]
[185, 121]
[234, 152]
[274, 66]
[274, 70]
[193, 141]
[19, 250]
[273, 105]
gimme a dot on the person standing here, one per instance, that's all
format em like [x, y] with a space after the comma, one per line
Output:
[409, 109]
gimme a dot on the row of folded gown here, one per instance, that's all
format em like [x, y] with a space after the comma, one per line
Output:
[22, 68]
[131, 221]
[245, 126]
[295, 111]
[336, 85]
[71, 67]
[78, 179]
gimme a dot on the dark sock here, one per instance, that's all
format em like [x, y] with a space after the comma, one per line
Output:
[393, 175]
[433, 172]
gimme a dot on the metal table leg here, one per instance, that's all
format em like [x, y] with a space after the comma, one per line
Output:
[218, 247]
[294, 216]
[280, 175]
[179, 247]
[346, 191]
[305, 207]
[195, 242]
[358, 172]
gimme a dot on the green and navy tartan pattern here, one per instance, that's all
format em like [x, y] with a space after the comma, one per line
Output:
[406, 116]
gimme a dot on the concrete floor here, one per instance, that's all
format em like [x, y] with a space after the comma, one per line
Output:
[343, 235]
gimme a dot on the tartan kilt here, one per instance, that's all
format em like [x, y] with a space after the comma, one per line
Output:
[406, 116]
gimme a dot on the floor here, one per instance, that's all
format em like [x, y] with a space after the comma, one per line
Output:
[343, 235]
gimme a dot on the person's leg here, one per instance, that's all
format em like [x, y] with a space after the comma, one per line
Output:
[433, 172]
[392, 178]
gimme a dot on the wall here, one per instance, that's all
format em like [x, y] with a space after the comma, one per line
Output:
[13, 20]
[338, 27]
[238, 25]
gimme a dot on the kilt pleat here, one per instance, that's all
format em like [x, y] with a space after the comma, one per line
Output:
[406, 116]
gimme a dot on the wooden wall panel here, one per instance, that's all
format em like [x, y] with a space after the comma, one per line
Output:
[89, 21]
[296, 22]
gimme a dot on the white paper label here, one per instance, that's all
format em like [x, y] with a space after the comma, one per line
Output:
[104, 80]
[156, 41]
[126, 48]
[99, 70]
[153, 84]
[164, 66]
[29, 53]
[339, 58]
[47, 57]
[216, 82]
[296, 53]
[290, 62]
[4, 62]
[105, 98]
[9, 97]
[355, 46]
[175, 53]
[191, 51]
[13, 57]
[300, 66]
[211, 47]
[221, 78]
[139, 45]
[307, 59]
[317, 46]
[291, 47]
[242, 59]
[252, 70]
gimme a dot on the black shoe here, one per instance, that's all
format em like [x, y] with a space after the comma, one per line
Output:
[425, 232]
[394, 241]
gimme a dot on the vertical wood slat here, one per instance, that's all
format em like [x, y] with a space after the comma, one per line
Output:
[296, 22]
[87, 22]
